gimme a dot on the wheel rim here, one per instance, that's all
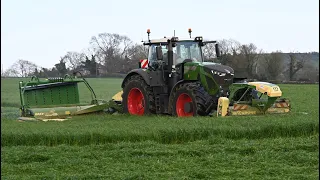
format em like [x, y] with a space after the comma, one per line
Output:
[182, 99]
[135, 102]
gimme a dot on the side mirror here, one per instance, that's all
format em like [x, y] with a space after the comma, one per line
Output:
[217, 50]
[159, 53]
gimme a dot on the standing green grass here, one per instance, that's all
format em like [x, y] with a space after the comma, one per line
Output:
[95, 129]
[216, 158]
[162, 147]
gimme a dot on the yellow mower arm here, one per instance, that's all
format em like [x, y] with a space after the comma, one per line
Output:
[118, 96]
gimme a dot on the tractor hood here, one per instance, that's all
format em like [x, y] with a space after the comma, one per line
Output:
[218, 68]
[222, 75]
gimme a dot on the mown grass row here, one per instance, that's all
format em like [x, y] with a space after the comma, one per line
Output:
[109, 129]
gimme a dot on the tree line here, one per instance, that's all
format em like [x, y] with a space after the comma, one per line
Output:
[110, 54]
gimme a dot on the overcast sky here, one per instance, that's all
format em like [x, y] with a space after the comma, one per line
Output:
[41, 30]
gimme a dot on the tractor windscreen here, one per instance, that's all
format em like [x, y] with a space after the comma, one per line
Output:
[183, 50]
[187, 50]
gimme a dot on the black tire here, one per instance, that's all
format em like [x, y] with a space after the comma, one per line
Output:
[136, 81]
[202, 102]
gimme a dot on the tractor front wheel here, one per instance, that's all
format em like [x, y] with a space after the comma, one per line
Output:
[137, 97]
[191, 99]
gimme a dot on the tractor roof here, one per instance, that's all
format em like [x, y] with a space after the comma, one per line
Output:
[165, 40]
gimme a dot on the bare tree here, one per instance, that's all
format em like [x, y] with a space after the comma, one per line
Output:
[134, 54]
[137, 52]
[21, 68]
[249, 57]
[309, 72]
[273, 64]
[109, 43]
[74, 59]
[96, 52]
[296, 62]
[11, 73]
[209, 52]
[114, 49]
[126, 44]
[93, 56]
[229, 46]
[49, 72]
[243, 58]
[230, 50]
[61, 67]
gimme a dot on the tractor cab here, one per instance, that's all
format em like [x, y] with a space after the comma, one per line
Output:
[182, 50]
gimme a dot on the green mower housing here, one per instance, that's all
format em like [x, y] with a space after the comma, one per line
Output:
[56, 98]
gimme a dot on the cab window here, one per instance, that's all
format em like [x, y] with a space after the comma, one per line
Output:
[153, 55]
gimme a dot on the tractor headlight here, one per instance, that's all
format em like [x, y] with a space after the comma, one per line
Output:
[218, 73]
[198, 38]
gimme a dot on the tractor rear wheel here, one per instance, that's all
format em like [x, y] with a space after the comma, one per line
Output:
[137, 97]
[191, 99]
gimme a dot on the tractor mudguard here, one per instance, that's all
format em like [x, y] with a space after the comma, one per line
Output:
[179, 82]
[142, 72]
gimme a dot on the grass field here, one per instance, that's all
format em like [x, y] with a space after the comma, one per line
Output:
[161, 147]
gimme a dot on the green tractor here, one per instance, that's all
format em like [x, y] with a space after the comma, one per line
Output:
[177, 81]
[174, 80]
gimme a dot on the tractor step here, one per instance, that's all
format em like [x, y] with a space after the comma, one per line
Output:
[161, 104]
[158, 104]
